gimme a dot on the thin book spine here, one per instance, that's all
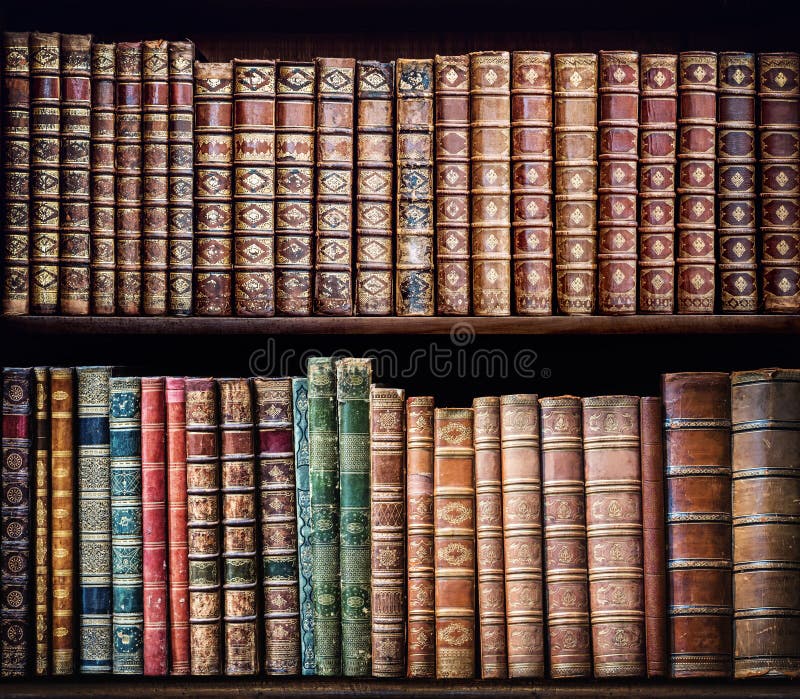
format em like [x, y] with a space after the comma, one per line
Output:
[42, 582]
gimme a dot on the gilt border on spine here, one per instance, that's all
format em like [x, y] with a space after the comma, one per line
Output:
[42, 583]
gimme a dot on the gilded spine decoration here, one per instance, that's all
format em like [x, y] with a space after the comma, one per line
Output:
[41, 550]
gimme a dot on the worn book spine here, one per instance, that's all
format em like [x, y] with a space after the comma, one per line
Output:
[421, 629]
[94, 519]
[278, 524]
[697, 434]
[374, 283]
[294, 188]
[612, 467]
[414, 275]
[16, 574]
[658, 114]
[489, 539]
[387, 526]
[575, 117]
[532, 181]
[564, 518]
[766, 525]
[452, 185]
[41, 545]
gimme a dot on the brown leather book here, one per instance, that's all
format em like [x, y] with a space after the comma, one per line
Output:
[564, 515]
[421, 633]
[736, 183]
[697, 429]
[294, 188]
[490, 183]
[658, 115]
[697, 85]
[532, 181]
[41, 546]
[619, 127]
[575, 91]
[452, 185]
[489, 539]
[374, 189]
[766, 526]
[614, 534]
[779, 139]
[454, 542]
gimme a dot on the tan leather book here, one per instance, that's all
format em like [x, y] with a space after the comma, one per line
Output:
[41, 548]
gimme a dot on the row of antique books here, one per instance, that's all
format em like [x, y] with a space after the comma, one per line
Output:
[331, 526]
[138, 180]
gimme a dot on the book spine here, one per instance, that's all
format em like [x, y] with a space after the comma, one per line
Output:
[697, 434]
[294, 188]
[154, 525]
[766, 483]
[15, 515]
[374, 189]
[414, 276]
[575, 116]
[240, 577]
[94, 519]
[614, 534]
[564, 516]
[421, 631]
[16, 161]
[489, 538]
[658, 114]
[41, 435]
[387, 520]
[254, 187]
[531, 181]
[779, 137]
[452, 185]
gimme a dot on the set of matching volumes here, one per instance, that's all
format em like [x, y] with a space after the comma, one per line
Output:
[139, 181]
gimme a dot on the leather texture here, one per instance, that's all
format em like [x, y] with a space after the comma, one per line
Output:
[41, 545]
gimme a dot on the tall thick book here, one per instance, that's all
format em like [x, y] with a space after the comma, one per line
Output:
[125, 423]
[41, 527]
[564, 518]
[15, 519]
[697, 416]
[374, 283]
[94, 520]
[575, 117]
[387, 526]
[766, 526]
[353, 380]
[414, 276]
[612, 465]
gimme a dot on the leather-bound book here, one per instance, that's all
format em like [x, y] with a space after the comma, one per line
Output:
[532, 181]
[564, 518]
[374, 282]
[16, 160]
[697, 433]
[16, 575]
[294, 188]
[102, 214]
[575, 117]
[617, 184]
[41, 528]
[254, 187]
[387, 526]
[613, 475]
[45, 156]
[779, 141]
[154, 525]
[651, 419]
[695, 274]
[658, 114]
[414, 275]
[278, 524]
[181, 176]
[766, 524]
[240, 576]
[453, 271]
[421, 629]
[489, 538]
[94, 520]
[736, 183]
